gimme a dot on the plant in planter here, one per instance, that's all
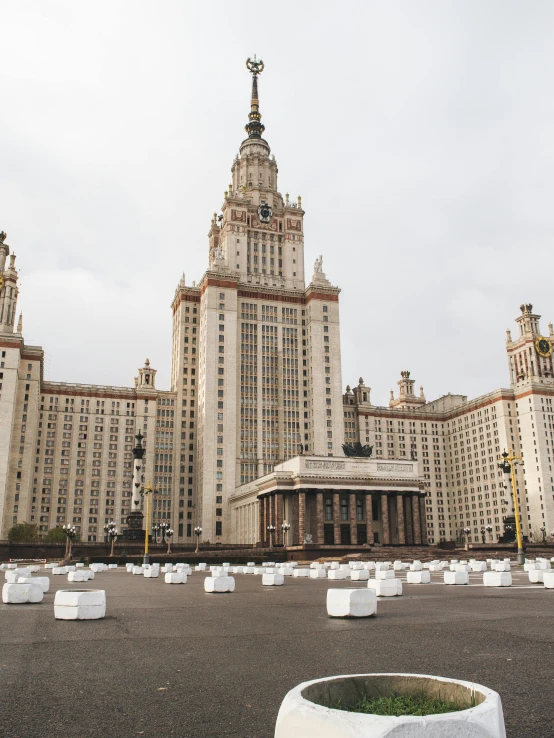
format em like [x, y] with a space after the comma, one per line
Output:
[391, 705]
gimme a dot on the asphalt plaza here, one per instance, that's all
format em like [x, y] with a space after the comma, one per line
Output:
[171, 660]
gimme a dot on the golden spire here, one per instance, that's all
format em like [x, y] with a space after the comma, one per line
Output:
[254, 127]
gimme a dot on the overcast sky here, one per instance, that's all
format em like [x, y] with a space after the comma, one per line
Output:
[420, 136]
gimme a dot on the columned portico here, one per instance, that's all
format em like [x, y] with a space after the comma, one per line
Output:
[336, 502]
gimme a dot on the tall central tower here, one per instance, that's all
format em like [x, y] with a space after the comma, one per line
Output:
[266, 374]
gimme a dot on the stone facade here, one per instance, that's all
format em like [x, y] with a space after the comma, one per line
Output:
[255, 382]
[459, 441]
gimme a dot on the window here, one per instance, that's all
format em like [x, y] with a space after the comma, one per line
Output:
[344, 509]
[218, 528]
[328, 509]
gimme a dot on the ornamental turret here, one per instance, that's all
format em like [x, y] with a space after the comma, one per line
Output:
[8, 287]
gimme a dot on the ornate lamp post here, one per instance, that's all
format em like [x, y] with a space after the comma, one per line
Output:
[271, 531]
[286, 527]
[483, 534]
[155, 529]
[197, 533]
[70, 532]
[489, 531]
[467, 531]
[507, 465]
[111, 534]
[147, 493]
[164, 527]
[168, 535]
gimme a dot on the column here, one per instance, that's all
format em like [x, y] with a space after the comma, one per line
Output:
[319, 517]
[369, 518]
[422, 513]
[301, 517]
[279, 518]
[408, 519]
[352, 516]
[266, 519]
[417, 519]
[385, 518]
[400, 519]
[260, 520]
[336, 517]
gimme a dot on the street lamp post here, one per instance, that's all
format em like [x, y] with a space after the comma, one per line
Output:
[155, 529]
[467, 531]
[111, 534]
[164, 527]
[489, 531]
[543, 531]
[168, 535]
[507, 466]
[286, 527]
[483, 534]
[147, 493]
[271, 531]
[70, 532]
[197, 533]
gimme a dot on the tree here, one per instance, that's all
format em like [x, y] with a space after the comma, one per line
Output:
[55, 535]
[23, 533]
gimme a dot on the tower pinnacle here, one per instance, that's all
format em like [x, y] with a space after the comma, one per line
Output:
[254, 127]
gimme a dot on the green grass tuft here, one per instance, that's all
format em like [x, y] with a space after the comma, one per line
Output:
[396, 705]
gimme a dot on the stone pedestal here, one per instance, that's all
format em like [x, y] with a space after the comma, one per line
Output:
[134, 530]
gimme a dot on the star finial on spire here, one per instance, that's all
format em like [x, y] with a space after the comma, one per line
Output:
[254, 127]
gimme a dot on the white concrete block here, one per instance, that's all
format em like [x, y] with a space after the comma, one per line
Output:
[530, 566]
[336, 574]
[416, 566]
[202, 567]
[385, 574]
[151, 573]
[548, 579]
[386, 587]
[219, 584]
[175, 577]
[497, 579]
[335, 565]
[369, 565]
[274, 580]
[80, 604]
[59, 570]
[544, 565]
[418, 577]
[462, 567]
[11, 566]
[286, 571]
[344, 567]
[360, 575]
[112, 566]
[536, 575]
[381, 566]
[77, 576]
[356, 566]
[435, 567]
[456, 577]
[479, 566]
[318, 574]
[501, 566]
[16, 593]
[13, 575]
[79, 566]
[137, 570]
[250, 563]
[259, 570]
[398, 566]
[304, 573]
[351, 603]
[43, 582]
[70, 567]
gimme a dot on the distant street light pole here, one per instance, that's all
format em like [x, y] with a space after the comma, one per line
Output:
[168, 534]
[111, 534]
[489, 531]
[271, 531]
[286, 527]
[467, 531]
[508, 467]
[70, 532]
[197, 533]
[147, 493]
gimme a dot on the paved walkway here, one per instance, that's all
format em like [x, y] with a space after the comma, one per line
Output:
[174, 661]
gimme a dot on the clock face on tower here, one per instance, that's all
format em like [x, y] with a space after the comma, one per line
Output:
[265, 213]
[543, 346]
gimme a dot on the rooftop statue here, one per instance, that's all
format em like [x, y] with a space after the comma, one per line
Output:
[356, 449]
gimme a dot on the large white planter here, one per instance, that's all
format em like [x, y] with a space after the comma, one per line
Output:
[303, 712]
[80, 604]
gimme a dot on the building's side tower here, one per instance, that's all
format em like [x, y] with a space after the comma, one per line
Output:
[530, 359]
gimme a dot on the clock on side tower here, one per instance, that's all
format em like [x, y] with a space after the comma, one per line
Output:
[543, 346]
[264, 213]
